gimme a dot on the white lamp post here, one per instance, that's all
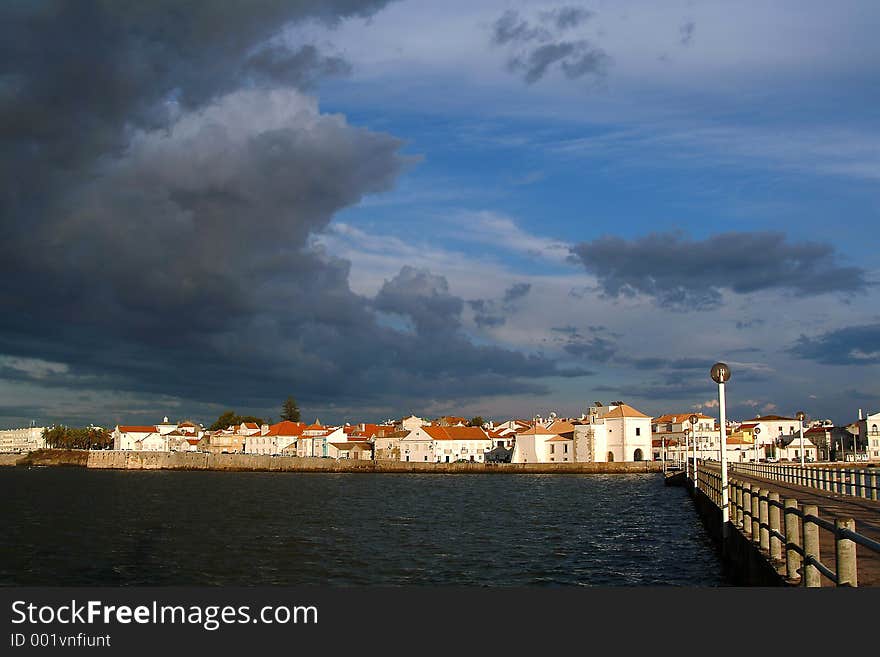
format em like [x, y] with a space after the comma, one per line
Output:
[800, 416]
[693, 420]
[720, 374]
[756, 432]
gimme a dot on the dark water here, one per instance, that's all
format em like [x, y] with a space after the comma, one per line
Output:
[72, 526]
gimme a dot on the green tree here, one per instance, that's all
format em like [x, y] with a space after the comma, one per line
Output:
[477, 421]
[289, 410]
[230, 418]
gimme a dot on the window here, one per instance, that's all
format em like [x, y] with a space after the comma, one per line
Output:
[552, 449]
[565, 449]
[638, 431]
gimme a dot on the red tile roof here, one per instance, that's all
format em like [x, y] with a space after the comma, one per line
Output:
[286, 428]
[138, 429]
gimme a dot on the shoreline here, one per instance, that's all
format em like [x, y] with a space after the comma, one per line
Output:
[128, 460]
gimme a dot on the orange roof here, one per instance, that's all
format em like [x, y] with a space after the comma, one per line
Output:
[556, 439]
[315, 427]
[193, 441]
[286, 428]
[252, 425]
[455, 433]
[138, 429]
[681, 417]
[536, 430]
[186, 424]
[561, 426]
[624, 410]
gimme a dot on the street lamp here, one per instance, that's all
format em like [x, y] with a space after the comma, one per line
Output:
[720, 374]
[800, 416]
[756, 432]
[694, 419]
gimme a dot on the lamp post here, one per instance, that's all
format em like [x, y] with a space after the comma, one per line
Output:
[720, 374]
[800, 416]
[693, 419]
[663, 448]
[756, 433]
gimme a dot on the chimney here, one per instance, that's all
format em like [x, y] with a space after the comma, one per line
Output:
[860, 413]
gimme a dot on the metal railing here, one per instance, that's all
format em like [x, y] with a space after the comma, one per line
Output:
[858, 482]
[787, 533]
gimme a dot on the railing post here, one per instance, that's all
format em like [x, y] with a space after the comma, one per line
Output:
[862, 488]
[764, 520]
[845, 548]
[747, 509]
[792, 539]
[812, 578]
[834, 481]
[756, 515]
[775, 526]
[738, 497]
[873, 485]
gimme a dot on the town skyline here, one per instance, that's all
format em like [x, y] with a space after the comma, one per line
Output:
[394, 207]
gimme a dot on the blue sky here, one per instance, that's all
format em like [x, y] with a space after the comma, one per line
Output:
[625, 190]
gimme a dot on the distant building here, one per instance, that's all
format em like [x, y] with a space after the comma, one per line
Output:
[869, 435]
[126, 437]
[540, 445]
[22, 440]
[386, 445]
[412, 422]
[445, 444]
[273, 439]
[628, 433]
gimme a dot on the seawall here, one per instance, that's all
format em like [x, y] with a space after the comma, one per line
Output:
[743, 562]
[125, 460]
[48, 457]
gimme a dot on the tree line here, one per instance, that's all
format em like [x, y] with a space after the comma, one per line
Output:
[78, 438]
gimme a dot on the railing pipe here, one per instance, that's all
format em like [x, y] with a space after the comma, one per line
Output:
[792, 539]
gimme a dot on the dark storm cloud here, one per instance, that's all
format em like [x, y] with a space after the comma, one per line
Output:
[853, 345]
[516, 291]
[536, 47]
[750, 323]
[300, 68]
[686, 32]
[161, 181]
[491, 313]
[422, 296]
[691, 274]
[566, 17]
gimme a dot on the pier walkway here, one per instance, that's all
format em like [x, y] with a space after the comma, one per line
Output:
[801, 529]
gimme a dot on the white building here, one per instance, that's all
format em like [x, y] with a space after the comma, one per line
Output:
[315, 439]
[126, 436]
[628, 435]
[540, 445]
[445, 444]
[274, 439]
[22, 440]
[412, 422]
[869, 434]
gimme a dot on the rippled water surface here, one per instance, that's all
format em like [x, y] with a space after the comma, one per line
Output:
[72, 526]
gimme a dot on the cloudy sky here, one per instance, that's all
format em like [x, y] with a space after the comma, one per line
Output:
[497, 208]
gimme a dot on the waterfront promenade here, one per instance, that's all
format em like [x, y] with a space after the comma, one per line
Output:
[751, 516]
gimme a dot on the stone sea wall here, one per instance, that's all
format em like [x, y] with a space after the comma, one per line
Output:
[242, 462]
